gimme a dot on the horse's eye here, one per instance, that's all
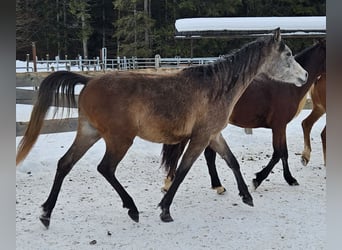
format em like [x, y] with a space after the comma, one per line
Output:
[288, 54]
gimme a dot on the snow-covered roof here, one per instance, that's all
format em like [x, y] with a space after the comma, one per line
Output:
[314, 26]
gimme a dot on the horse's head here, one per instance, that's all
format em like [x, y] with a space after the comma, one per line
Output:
[280, 64]
[313, 59]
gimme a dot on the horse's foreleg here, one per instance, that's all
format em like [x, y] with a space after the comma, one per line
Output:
[210, 157]
[262, 175]
[81, 144]
[107, 167]
[279, 152]
[196, 146]
[220, 146]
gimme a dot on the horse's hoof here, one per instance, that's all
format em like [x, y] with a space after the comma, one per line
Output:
[45, 220]
[256, 184]
[165, 215]
[304, 161]
[220, 190]
[294, 183]
[248, 200]
[134, 215]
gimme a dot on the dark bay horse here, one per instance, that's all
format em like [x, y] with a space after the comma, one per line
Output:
[193, 104]
[318, 97]
[265, 103]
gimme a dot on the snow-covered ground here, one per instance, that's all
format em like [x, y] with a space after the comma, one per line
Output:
[89, 213]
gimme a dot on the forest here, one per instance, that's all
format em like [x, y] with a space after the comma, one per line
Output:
[141, 28]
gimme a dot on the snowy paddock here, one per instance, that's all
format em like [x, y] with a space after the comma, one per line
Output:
[89, 213]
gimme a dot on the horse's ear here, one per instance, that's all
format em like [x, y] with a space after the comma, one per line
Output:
[277, 36]
[322, 41]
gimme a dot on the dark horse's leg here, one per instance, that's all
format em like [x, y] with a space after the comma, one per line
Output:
[220, 146]
[196, 146]
[80, 145]
[279, 152]
[210, 157]
[115, 151]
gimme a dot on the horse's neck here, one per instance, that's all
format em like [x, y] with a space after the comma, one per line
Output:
[312, 64]
[303, 90]
[243, 78]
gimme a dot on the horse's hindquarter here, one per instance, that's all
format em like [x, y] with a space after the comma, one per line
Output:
[157, 108]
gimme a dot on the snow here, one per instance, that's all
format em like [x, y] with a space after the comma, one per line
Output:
[89, 213]
[312, 23]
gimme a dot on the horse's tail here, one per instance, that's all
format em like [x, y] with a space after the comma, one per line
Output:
[170, 156]
[48, 95]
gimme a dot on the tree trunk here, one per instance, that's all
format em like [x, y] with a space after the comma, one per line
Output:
[84, 37]
[103, 25]
[58, 29]
[146, 29]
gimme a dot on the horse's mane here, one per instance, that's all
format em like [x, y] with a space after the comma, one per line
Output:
[303, 56]
[225, 72]
[306, 50]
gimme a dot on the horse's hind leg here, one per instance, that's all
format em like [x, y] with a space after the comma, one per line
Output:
[220, 146]
[210, 157]
[115, 151]
[85, 138]
[307, 125]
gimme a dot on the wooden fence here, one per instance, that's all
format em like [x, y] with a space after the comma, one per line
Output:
[28, 96]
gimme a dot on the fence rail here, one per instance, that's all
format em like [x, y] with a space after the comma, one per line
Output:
[119, 63]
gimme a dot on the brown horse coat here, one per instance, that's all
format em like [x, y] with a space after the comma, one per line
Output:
[193, 104]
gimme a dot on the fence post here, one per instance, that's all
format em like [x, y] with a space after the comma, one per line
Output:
[178, 60]
[134, 62]
[118, 61]
[57, 62]
[67, 66]
[124, 63]
[98, 66]
[34, 56]
[157, 61]
[27, 62]
[104, 58]
[47, 62]
[80, 65]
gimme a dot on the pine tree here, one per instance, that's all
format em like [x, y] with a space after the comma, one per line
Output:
[80, 9]
[132, 28]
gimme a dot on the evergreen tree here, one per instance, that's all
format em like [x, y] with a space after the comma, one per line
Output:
[131, 27]
[80, 9]
[140, 28]
[101, 22]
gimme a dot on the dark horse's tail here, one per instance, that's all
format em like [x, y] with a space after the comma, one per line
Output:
[170, 156]
[63, 82]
